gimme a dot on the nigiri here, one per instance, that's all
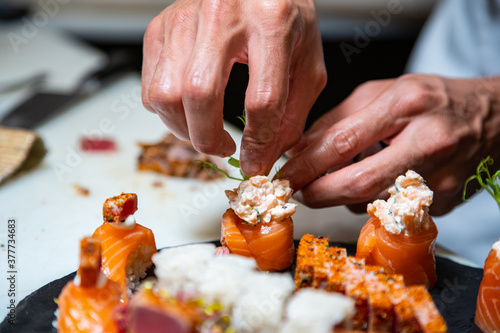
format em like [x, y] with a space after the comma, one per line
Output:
[127, 247]
[488, 299]
[400, 234]
[259, 223]
[88, 303]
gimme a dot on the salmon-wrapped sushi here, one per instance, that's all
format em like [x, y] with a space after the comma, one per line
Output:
[127, 247]
[400, 234]
[488, 299]
[89, 302]
[259, 223]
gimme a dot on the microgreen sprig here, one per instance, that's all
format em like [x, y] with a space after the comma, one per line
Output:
[232, 161]
[243, 118]
[489, 183]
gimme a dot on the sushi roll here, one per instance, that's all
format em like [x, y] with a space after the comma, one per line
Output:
[127, 247]
[89, 302]
[259, 223]
[488, 300]
[382, 301]
[400, 234]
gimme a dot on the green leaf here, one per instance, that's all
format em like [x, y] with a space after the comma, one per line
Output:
[234, 162]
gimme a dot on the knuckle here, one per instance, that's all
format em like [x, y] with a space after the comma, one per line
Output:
[257, 141]
[197, 89]
[283, 15]
[417, 94]
[367, 87]
[266, 102]
[178, 17]
[162, 99]
[279, 9]
[344, 143]
[151, 30]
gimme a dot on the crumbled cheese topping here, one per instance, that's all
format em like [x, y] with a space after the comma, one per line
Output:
[407, 208]
[259, 200]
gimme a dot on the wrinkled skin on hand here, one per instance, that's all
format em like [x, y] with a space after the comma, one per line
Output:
[189, 50]
[439, 127]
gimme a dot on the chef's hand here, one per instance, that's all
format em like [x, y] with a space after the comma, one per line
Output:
[189, 50]
[439, 127]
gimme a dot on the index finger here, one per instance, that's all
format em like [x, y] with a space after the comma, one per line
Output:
[203, 90]
[341, 143]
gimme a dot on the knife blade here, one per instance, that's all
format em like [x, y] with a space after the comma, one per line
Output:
[42, 106]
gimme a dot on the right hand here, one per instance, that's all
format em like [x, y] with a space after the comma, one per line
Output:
[189, 50]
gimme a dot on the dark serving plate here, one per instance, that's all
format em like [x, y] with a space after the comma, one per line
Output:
[454, 295]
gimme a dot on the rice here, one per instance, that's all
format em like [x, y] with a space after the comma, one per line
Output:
[316, 311]
[254, 301]
[178, 268]
[137, 264]
[261, 305]
[224, 278]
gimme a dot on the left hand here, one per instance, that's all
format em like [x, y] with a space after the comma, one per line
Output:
[439, 127]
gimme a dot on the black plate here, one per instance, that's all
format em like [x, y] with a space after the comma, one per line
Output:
[454, 294]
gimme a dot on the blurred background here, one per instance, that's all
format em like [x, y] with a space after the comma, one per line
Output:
[361, 42]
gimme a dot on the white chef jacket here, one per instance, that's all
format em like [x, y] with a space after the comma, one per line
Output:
[461, 39]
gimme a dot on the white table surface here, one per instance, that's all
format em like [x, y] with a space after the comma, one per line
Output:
[52, 217]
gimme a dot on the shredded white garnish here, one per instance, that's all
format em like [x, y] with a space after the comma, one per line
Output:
[128, 223]
[408, 207]
[496, 247]
[101, 280]
[76, 280]
[259, 200]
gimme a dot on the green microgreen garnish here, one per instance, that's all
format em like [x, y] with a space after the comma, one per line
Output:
[486, 180]
[234, 162]
[205, 164]
[231, 161]
[243, 118]
[278, 173]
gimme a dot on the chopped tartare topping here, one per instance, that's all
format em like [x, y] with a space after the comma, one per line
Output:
[407, 208]
[260, 200]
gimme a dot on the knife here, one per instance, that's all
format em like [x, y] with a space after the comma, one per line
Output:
[44, 105]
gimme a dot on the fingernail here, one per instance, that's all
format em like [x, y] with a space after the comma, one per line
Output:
[251, 169]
